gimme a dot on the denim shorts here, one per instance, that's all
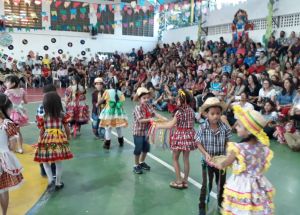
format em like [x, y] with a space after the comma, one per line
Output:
[141, 145]
[96, 121]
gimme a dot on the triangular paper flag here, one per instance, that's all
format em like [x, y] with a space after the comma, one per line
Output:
[58, 3]
[76, 4]
[67, 4]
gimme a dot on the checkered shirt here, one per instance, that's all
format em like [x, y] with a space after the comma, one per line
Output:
[185, 117]
[214, 142]
[141, 112]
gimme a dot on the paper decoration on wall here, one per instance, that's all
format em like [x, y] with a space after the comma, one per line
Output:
[24, 42]
[53, 40]
[83, 53]
[46, 48]
[40, 57]
[60, 51]
[70, 44]
[5, 56]
[82, 42]
[5, 39]
[10, 47]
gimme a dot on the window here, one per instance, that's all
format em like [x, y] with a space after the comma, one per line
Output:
[70, 17]
[105, 20]
[23, 15]
[138, 23]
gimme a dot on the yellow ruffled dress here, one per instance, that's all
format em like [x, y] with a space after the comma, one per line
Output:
[248, 191]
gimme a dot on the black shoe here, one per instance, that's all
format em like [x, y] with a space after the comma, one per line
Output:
[137, 169]
[202, 211]
[145, 166]
[59, 187]
[121, 141]
[51, 185]
[106, 144]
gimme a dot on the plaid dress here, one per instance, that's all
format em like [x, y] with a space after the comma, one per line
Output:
[52, 144]
[76, 106]
[10, 168]
[183, 137]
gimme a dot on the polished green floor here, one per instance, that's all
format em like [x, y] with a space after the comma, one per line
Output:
[100, 182]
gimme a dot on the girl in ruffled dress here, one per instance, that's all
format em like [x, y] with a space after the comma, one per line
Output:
[10, 168]
[76, 106]
[248, 191]
[53, 145]
[18, 114]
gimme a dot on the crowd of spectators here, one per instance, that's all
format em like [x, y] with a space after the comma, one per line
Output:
[265, 78]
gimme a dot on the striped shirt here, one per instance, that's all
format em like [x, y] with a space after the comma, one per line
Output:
[214, 142]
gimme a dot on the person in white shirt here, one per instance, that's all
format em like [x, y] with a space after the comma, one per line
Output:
[36, 72]
[266, 92]
[62, 74]
[243, 102]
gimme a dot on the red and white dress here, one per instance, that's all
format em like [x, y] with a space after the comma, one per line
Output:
[18, 113]
[76, 106]
[10, 168]
[183, 137]
[53, 144]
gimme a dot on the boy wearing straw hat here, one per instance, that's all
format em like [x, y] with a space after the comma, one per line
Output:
[97, 105]
[212, 138]
[143, 114]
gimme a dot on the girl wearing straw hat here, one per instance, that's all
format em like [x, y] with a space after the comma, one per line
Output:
[248, 191]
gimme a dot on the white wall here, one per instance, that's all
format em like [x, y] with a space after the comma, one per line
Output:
[103, 43]
[256, 9]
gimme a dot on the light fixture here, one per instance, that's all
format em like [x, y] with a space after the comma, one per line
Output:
[38, 2]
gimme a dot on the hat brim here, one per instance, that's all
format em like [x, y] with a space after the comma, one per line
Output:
[240, 114]
[222, 105]
[136, 97]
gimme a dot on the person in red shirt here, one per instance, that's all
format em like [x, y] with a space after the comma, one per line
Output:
[46, 75]
[257, 68]
[142, 76]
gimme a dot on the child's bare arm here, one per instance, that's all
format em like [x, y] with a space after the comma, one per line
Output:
[160, 116]
[67, 129]
[203, 151]
[168, 124]
[229, 160]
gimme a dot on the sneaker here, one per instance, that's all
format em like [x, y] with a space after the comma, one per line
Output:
[137, 169]
[145, 166]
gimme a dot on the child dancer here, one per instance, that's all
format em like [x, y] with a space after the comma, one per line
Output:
[41, 113]
[212, 138]
[97, 107]
[248, 191]
[182, 140]
[113, 115]
[53, 143]
[10, 168]
[143, 114]
[76, 106]
[18, 114]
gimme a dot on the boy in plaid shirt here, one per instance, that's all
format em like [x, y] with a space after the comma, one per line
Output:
[212, 138]
[143, 114]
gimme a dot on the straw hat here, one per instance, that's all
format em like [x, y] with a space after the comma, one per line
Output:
[98, 80]
[140, 91]
[213, 102]
[253, 121]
